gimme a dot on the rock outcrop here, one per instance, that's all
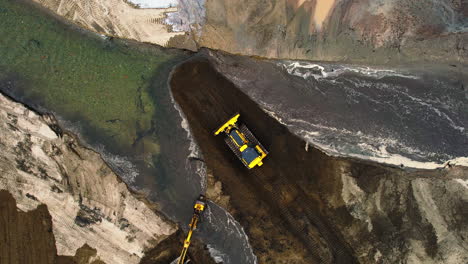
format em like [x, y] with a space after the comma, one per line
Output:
[414, 218]
[87, 202]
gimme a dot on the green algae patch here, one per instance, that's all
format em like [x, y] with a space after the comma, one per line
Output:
[82, 76]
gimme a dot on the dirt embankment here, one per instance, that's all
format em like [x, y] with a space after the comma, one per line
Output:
[303, 206]
[116, 18]
[27, 237]
[169, 249]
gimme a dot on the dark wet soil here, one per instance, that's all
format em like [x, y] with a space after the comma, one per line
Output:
[28, 237]
[19, 230]
[281, 204]
[169, 249]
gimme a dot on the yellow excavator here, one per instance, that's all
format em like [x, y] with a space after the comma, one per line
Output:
[242, 142]
[198, 208]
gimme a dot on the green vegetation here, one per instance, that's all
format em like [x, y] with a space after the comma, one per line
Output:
[80, 75]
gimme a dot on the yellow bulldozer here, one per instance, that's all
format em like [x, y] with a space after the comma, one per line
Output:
[242, 142]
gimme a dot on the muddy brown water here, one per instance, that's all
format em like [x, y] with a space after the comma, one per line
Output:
[279, 204]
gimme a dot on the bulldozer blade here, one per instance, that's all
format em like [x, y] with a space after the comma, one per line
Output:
[231, 122]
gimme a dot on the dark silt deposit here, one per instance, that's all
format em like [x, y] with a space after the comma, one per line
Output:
[303, 206]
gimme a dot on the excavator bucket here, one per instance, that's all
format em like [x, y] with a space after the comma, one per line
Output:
[230, 123]
[200, 205]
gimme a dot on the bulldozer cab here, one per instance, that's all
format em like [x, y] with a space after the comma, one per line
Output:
[237, 137]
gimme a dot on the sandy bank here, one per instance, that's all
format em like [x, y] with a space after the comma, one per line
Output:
[116, 18]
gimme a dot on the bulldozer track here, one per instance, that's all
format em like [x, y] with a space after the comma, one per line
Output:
[288, 219]
[337, 253]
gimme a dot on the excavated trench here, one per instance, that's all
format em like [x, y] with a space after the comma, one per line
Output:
[281, 204]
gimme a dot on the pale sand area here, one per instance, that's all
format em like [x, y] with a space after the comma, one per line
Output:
[115, 18]
[322, 8]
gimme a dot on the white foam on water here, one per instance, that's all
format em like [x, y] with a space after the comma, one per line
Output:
[430, 105]
[306, 70]
[272, 113]
[377, 73]
[233, 228]
[294, 68]
[341, 131]
[121, 165]
[201, 171]
[437, 111]
[217, 255]
[193, 147]
[381, 156]
[375, 146]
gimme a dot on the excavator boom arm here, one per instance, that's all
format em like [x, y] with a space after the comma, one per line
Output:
[199, 208]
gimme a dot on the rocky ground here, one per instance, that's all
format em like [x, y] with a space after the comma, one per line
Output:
[383, 31]
[303, 206]
[115, 18]
[69, 201]
[358, 31]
